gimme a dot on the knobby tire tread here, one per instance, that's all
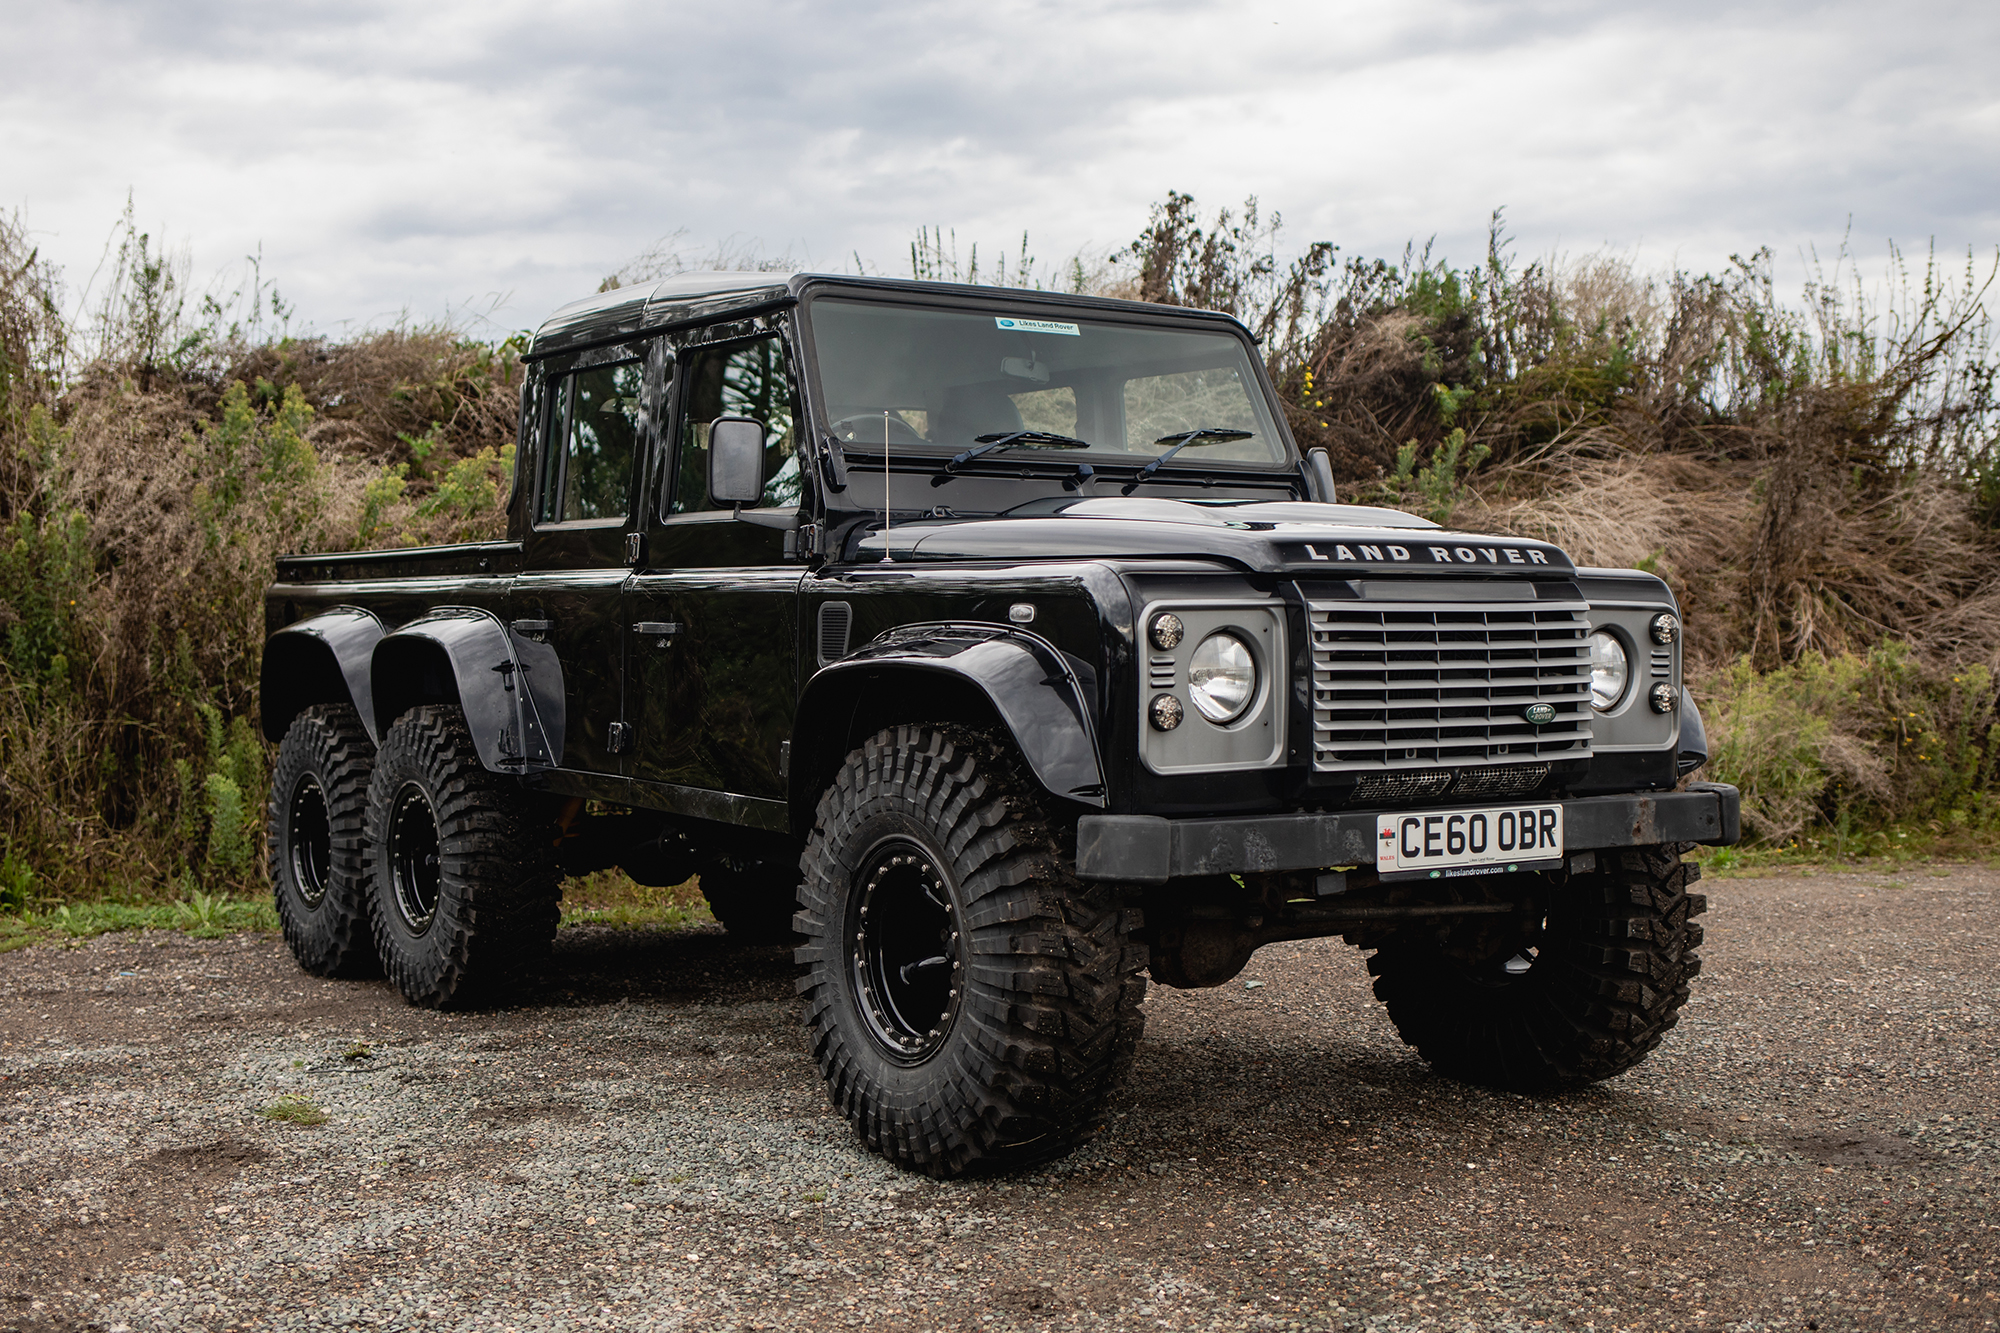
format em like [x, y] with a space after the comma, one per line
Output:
[1608, 982]
[1051, 1015]
[500, 884]
[336, 939]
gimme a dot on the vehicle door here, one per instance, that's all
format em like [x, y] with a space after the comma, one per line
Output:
[575, 553]
[714, 607]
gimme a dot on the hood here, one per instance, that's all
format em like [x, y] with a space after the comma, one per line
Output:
[1291, 536]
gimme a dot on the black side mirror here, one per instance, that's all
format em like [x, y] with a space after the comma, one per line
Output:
[735, 461]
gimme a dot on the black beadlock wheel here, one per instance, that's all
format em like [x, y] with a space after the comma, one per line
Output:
[754, 900]
[970, 1002]
[1590, 999]
[318, 806]
[462, 872]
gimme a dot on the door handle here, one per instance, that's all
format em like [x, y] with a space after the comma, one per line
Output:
[663, 630]
[537, 630]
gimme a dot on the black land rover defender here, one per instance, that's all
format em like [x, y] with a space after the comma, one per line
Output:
[994, 649]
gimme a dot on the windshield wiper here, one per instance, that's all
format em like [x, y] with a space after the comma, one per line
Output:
[1016, 439]
[1186, 439]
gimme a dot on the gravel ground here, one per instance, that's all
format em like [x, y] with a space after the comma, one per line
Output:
[644, 1144]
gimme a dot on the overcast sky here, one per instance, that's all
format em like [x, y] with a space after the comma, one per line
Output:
[441, 157]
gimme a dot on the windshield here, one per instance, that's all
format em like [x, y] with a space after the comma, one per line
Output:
[1126, 392]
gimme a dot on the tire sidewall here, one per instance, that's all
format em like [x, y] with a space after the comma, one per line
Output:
[331, 936]
[903, 1083]
[420, 964]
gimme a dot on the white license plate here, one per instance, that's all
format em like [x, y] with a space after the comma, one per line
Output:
[1444, 844]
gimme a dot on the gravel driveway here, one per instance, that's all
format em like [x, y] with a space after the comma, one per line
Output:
[644, 1144]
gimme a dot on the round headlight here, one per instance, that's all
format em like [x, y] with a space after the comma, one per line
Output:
[1608, 670]
[1222, 678]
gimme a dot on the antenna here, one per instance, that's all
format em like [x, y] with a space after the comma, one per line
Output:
[885, 488]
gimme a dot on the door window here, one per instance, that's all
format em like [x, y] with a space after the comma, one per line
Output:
[592, 440]
[750, 379]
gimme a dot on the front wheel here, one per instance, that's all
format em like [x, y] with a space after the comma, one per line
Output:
[1587, 1000]
[463, 876]
[969, 1001]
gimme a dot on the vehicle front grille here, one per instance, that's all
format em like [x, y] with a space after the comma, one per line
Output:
[1429, 685]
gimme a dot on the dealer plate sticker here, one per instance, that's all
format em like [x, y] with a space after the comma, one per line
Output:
[1013, 325]
[1445, 844]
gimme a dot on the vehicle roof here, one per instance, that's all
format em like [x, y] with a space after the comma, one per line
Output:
[698, 298]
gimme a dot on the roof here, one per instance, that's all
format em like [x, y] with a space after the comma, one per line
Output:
[697, 298]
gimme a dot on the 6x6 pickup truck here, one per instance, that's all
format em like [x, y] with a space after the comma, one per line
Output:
[995, 650]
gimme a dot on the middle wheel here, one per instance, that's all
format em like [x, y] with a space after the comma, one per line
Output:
[462, 874]
[969, 1001]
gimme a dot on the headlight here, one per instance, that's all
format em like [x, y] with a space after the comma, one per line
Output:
[1222, 678]
[1608, 670]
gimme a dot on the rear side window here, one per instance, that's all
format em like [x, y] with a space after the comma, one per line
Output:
[593, 437]
[747, 379]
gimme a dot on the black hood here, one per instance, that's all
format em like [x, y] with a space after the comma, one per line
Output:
[1290, 536]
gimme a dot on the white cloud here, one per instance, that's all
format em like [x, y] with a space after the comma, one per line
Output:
[398, 156]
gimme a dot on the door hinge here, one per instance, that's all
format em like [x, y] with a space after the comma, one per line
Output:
[635, 547]
[619, 740]
[803, 542]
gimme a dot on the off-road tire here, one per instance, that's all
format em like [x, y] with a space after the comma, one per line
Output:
[496, 883]
[319, 803]
[1043, 1013]
[754, 900]
[1606, 982]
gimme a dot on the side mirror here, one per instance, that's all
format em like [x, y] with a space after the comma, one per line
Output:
[735, 461]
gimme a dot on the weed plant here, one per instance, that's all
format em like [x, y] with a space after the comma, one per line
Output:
[1818, 479]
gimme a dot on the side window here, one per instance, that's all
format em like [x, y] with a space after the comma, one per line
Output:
[750, 379]
[593, 436]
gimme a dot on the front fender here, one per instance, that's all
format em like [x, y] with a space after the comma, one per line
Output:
[510, 688]
[1029, 682]
[1692, 752]
[320, 660]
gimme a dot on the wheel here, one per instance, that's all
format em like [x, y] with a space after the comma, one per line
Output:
[319, 802]
[1588, 1000]
[754, 900]
[462, 874]
[969, 1002]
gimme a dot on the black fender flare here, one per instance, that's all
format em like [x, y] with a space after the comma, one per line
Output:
[322, 659]
[1692, 751]
[509, 687]
[1032, 685]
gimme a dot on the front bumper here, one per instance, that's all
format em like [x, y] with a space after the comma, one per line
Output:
[1147, 849]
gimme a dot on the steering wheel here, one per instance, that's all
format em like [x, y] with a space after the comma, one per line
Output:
[865, 428]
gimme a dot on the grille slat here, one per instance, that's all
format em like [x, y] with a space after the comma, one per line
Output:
[1399, 685]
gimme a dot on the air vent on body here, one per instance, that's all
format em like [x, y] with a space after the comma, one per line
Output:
[835, 619]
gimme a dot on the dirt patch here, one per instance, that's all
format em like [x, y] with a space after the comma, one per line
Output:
[639, 1138]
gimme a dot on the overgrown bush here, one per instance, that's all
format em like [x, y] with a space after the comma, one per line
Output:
[1820, 481]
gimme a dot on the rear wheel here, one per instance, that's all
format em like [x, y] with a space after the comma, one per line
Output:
[1589, 998]
[969, 1001]
[462, 871]
[319, 801]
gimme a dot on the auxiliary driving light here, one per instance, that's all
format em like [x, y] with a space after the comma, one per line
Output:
[1166, 712]
[1166, 631]
[1662, 697]
[1666, 627]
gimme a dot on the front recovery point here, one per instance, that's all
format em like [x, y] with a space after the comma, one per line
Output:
[1149, 849]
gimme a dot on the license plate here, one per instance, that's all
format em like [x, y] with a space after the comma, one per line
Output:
[1444, 844]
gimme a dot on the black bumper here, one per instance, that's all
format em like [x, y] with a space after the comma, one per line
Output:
[1147, 849]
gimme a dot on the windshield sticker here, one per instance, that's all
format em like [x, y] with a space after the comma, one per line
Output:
[1035, 326]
